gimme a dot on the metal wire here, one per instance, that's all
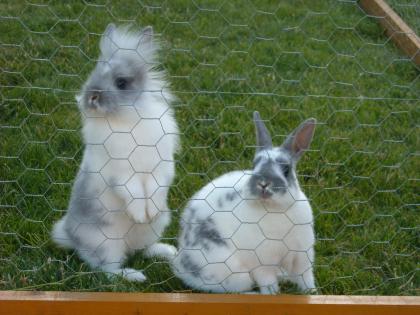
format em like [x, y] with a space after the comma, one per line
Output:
[290, 60]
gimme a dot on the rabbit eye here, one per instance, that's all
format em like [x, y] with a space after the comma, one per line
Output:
[121, 83]
[286, 170]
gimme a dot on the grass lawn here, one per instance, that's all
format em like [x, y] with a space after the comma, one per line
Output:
[409, 11]
[288, 59]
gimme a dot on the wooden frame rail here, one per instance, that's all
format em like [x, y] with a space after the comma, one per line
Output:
[77, 303]
[399, 32]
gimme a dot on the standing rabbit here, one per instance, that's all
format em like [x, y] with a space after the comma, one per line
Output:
[249, 228]
[119, 198]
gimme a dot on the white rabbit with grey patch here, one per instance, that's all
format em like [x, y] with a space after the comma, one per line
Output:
[251, 228]
[119, 198]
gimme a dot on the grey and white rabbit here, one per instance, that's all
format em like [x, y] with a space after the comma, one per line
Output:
[250, 228]
[119, 198]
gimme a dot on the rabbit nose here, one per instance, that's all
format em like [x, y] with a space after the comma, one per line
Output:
[94, 97]
[263, 184]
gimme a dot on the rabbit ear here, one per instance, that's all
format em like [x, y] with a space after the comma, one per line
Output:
[263, 136]
[146, 35]
[106, 44]
[109, 30]
[300, 139]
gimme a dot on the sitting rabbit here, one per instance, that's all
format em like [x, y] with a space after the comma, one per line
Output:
[118, 203]
[249, 228]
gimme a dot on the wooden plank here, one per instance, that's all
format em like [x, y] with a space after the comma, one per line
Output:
[77, 303]
[399, 32]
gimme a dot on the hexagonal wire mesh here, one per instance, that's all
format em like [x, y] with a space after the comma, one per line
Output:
[290, 60]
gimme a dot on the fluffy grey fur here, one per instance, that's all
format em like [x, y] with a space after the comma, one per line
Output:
[118, 203]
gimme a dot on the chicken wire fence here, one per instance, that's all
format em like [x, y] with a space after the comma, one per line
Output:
[290, 60]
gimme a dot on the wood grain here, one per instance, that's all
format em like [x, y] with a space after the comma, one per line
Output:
[77, 303]
[399, 32]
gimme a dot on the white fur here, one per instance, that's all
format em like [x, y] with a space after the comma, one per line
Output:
[265, 240]
[250, 228]
[129, 163]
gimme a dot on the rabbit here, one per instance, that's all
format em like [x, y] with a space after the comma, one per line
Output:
[251, 228]
[119, 198]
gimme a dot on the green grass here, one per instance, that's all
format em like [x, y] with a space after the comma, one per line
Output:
[288, 59]
[409, 11]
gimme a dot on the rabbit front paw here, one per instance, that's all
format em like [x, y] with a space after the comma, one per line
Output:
[139, 216]
[143, 216]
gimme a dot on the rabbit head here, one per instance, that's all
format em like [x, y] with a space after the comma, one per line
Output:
[122, 71]
[274, 171]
